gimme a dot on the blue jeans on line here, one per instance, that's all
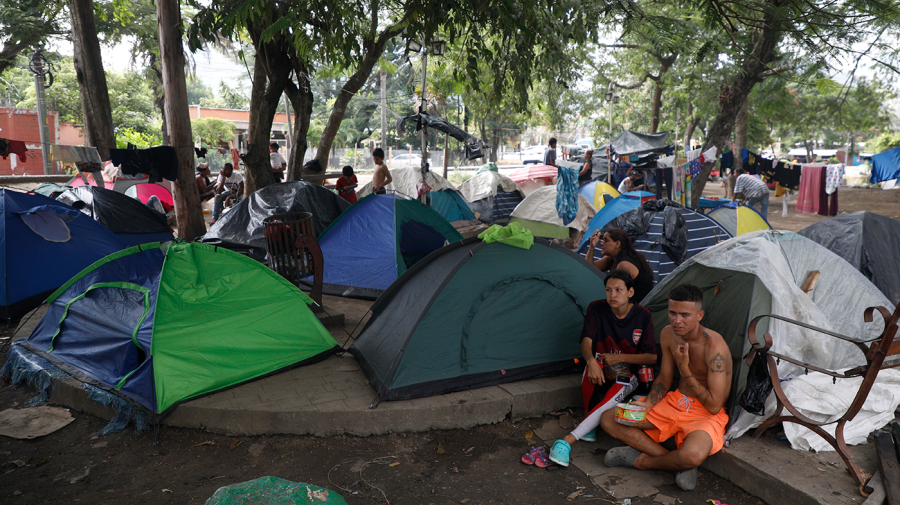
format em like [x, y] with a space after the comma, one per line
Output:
[763, 203]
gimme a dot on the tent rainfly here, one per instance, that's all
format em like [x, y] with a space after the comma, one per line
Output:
[537, 213]
[598, 193]
[443, 196]
[492, 196]
[43, 243]
[132, 221]
[618, 206]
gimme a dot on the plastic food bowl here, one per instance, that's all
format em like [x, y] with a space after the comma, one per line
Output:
[630, 415]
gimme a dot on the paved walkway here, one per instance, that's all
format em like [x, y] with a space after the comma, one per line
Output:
[333, 397]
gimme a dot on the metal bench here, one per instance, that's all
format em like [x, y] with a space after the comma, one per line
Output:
[876, 352]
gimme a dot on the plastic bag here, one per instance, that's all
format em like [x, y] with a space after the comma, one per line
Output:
[274, 491]
[422, 187]
[512, 235]
[759, 385]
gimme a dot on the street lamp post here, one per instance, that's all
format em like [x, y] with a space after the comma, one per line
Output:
[612, 98]
[437, 48]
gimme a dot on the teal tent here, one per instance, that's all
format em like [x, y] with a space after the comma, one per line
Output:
[473, 314]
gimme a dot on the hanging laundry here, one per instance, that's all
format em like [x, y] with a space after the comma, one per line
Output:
[696, 166]
[85, 158]
[811, 189]
[664, 176]
[235, 158]
[787, 175]
[751, 161]
[158, 162]
[767, 169]
[727, 160]
[692, 154]
[200, 152]
[567, 194]
[16, 147]
[834, 177]
[678, 184]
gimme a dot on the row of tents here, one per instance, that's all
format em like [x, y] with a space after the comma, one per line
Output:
[450, 314]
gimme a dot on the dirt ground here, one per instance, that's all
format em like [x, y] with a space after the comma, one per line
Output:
[475, 466]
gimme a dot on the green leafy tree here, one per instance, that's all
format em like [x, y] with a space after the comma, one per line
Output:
[24, 25]
[212, 131]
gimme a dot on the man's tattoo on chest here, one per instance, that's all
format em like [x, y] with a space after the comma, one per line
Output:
[706, 334]
[717, 364]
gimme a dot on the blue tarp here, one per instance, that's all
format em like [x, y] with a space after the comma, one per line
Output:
[450, 205]
[32, 266]
[885, 166]
[614, 209]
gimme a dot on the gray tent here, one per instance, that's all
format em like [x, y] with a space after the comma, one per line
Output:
[867, 241]
[241, 229]
[760, 273]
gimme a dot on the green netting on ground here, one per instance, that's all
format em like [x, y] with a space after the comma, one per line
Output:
[274, 491]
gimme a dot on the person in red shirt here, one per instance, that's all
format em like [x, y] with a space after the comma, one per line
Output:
[617, 335]
[346, 185]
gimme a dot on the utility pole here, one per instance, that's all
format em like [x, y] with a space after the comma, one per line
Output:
[39, 68]
[384, 111]
[422, 108]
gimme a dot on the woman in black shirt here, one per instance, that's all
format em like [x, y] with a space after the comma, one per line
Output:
[619, 252]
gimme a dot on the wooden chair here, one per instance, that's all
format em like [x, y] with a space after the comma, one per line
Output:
[875, 351]
[293, 251]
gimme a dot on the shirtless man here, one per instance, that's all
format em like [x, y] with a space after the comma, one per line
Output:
[382, 176]
[693, 414]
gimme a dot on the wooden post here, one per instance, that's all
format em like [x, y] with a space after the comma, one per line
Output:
[446, 158]
[171, 49]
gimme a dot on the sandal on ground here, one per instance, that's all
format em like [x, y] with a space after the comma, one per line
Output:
[529, 457]
[541, 459]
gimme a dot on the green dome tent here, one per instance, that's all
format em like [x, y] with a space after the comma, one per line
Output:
[472, 315]
[159, 324]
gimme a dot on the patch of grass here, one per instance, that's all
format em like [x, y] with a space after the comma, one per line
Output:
[458, 177]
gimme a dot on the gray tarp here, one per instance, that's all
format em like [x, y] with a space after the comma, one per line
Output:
[241, 229]
[868, 242]
[629, 142]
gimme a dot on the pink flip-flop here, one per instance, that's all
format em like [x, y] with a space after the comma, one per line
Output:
[541, 458]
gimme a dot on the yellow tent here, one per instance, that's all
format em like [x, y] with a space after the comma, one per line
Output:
[594, 192]
[739, 219]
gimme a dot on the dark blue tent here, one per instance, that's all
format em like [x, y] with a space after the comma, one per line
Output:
[665, 240]
[132, 221]
[885, 166]
[374, 241]
[44, 243]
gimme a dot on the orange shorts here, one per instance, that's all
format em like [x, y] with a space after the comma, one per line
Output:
[678, 415]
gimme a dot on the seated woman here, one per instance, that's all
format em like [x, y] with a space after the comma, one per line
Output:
[206, 188]
[619, 253]
[616, 331]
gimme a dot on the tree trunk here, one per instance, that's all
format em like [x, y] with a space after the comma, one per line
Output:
[732, 97]
[302, 102]
[171, 50]
[98, 129]
[741, 127]
[374, 50]
[269, 81]
[159, 98]
[690, 125]
[664, 64]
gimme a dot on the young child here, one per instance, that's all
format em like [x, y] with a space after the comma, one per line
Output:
[617, 333]
[346, 185]
[382, 176]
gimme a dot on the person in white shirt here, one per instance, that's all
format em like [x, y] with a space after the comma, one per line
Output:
[277, 161]
[229, 189]
[627, 183]
[749, 190]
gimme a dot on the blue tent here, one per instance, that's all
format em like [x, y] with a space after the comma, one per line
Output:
[450, 205]
[44, 243]
[374, 241]
[885, 166]
[614, 209]
[665, 247]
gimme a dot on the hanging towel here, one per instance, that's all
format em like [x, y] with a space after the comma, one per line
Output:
[811, 190]
[567, 194]
[16, 147]
[834, 177]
